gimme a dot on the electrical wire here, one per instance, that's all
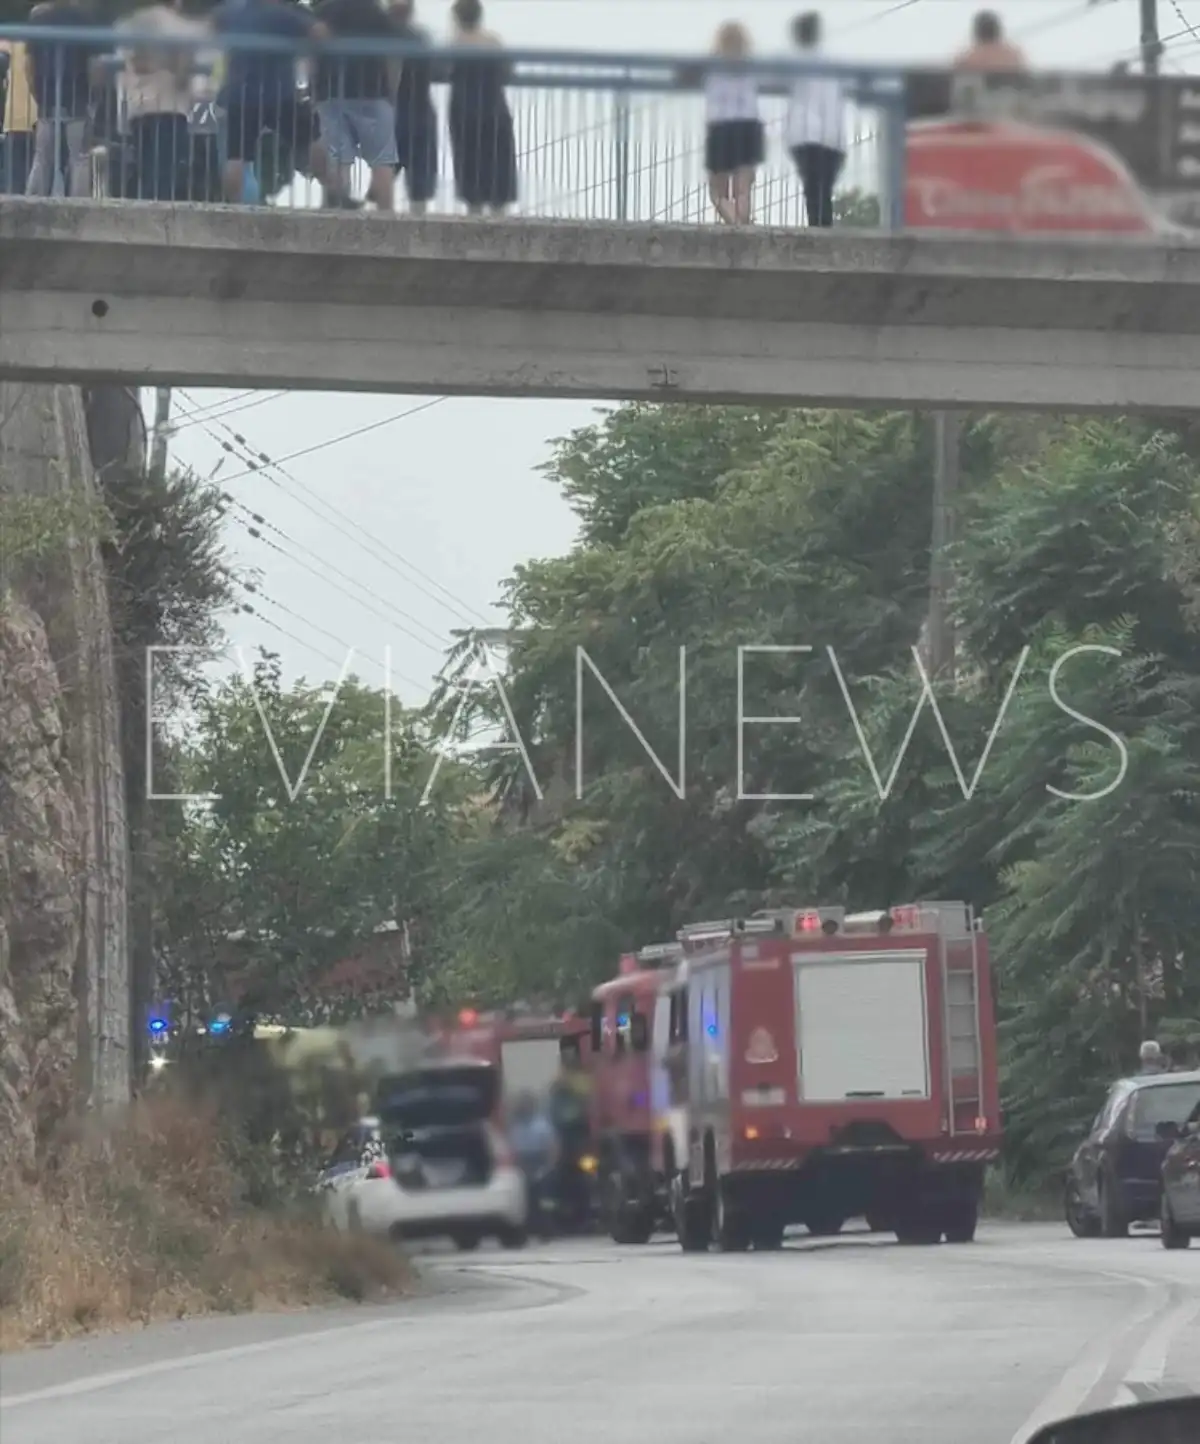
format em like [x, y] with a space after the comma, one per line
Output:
[219, 410]
[1078, 11]
[390, 671]
[867, 21]
[258, 520]
[344, 436]
[253, 528]
[389, 556]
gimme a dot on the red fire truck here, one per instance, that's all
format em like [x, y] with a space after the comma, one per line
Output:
[633, 1196]
[525, 1047]
[817, 1066]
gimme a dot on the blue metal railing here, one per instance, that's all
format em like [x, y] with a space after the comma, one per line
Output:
[597, 136]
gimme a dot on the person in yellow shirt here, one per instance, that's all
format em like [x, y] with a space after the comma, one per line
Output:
[20, 118]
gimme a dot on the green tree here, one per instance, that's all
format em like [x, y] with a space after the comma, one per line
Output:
[705, 530]
[318, 833]
[1077, 586]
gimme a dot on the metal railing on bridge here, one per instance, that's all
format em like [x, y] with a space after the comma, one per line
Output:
[128, 115]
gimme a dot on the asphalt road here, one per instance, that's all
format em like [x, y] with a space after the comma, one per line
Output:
[851, 1341]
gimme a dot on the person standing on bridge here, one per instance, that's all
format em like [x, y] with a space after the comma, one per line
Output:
[355, 106]
[481, 125]
[989, 51]
[734, 147]
[259, 91]
[816, 126]
[416, 119]
[20, 119]
[157, 86]
[60, 78]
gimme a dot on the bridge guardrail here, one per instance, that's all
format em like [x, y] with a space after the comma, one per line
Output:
[617, 137]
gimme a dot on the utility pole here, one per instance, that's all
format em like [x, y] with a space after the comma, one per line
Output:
[947, 446]
[142, 837]
[160, 432]
[1151, 45]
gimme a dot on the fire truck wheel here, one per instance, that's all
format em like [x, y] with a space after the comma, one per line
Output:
[690, 1216]
[823, 1223]
[962, 1219]
[465, 1242]
[513, 1237]
[767, 1237]
[917, 1231]
[731, 1230]
[627, 1222]
[879, 1223]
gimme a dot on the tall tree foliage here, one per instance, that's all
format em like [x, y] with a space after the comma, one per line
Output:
[1076, 608]
[318, 832]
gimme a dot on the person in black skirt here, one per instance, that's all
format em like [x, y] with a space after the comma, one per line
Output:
[416, 118]
[734, 146]
[481, 125]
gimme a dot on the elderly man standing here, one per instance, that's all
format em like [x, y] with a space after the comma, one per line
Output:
[1151, 1058]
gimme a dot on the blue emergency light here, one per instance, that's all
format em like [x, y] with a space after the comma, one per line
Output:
[220, 1024]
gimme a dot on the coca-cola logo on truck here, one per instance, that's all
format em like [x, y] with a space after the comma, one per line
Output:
[1013, 177]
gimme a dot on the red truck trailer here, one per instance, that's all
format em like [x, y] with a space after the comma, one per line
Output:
[816, 1066]
[525, 1047]
[634, 1200]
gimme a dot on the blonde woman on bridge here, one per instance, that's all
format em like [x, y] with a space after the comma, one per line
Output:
[734, 147]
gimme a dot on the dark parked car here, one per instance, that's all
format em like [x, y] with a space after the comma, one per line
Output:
[1180, 1212]
[1115, 1178]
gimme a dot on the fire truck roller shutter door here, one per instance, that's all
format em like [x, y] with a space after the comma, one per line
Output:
[529, 1065]
[861, 1021]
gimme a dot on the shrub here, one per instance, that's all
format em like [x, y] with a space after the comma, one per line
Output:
[146, 1219]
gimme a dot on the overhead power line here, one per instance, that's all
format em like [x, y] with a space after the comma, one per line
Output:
[257, 520]
[262, 464]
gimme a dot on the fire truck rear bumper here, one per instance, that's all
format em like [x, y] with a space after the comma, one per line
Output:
[974, 1154]
[940, 1154]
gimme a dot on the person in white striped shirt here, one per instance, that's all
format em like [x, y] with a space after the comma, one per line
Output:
[816, 126]
[734, 147]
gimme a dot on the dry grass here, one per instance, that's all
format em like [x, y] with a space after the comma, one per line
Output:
[143, 1222]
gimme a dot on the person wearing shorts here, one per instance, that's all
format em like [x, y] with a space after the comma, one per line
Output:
[355, 103]
[734, 145]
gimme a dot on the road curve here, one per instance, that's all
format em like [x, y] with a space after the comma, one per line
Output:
[849, 1341]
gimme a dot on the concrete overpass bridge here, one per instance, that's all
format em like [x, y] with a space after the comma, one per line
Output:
[233, 297]
[608, 288]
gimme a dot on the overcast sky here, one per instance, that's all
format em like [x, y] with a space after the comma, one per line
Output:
[393, 519]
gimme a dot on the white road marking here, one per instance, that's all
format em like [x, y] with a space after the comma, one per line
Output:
[1081, 1378]
[93, 1382]
[1150, 1363]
